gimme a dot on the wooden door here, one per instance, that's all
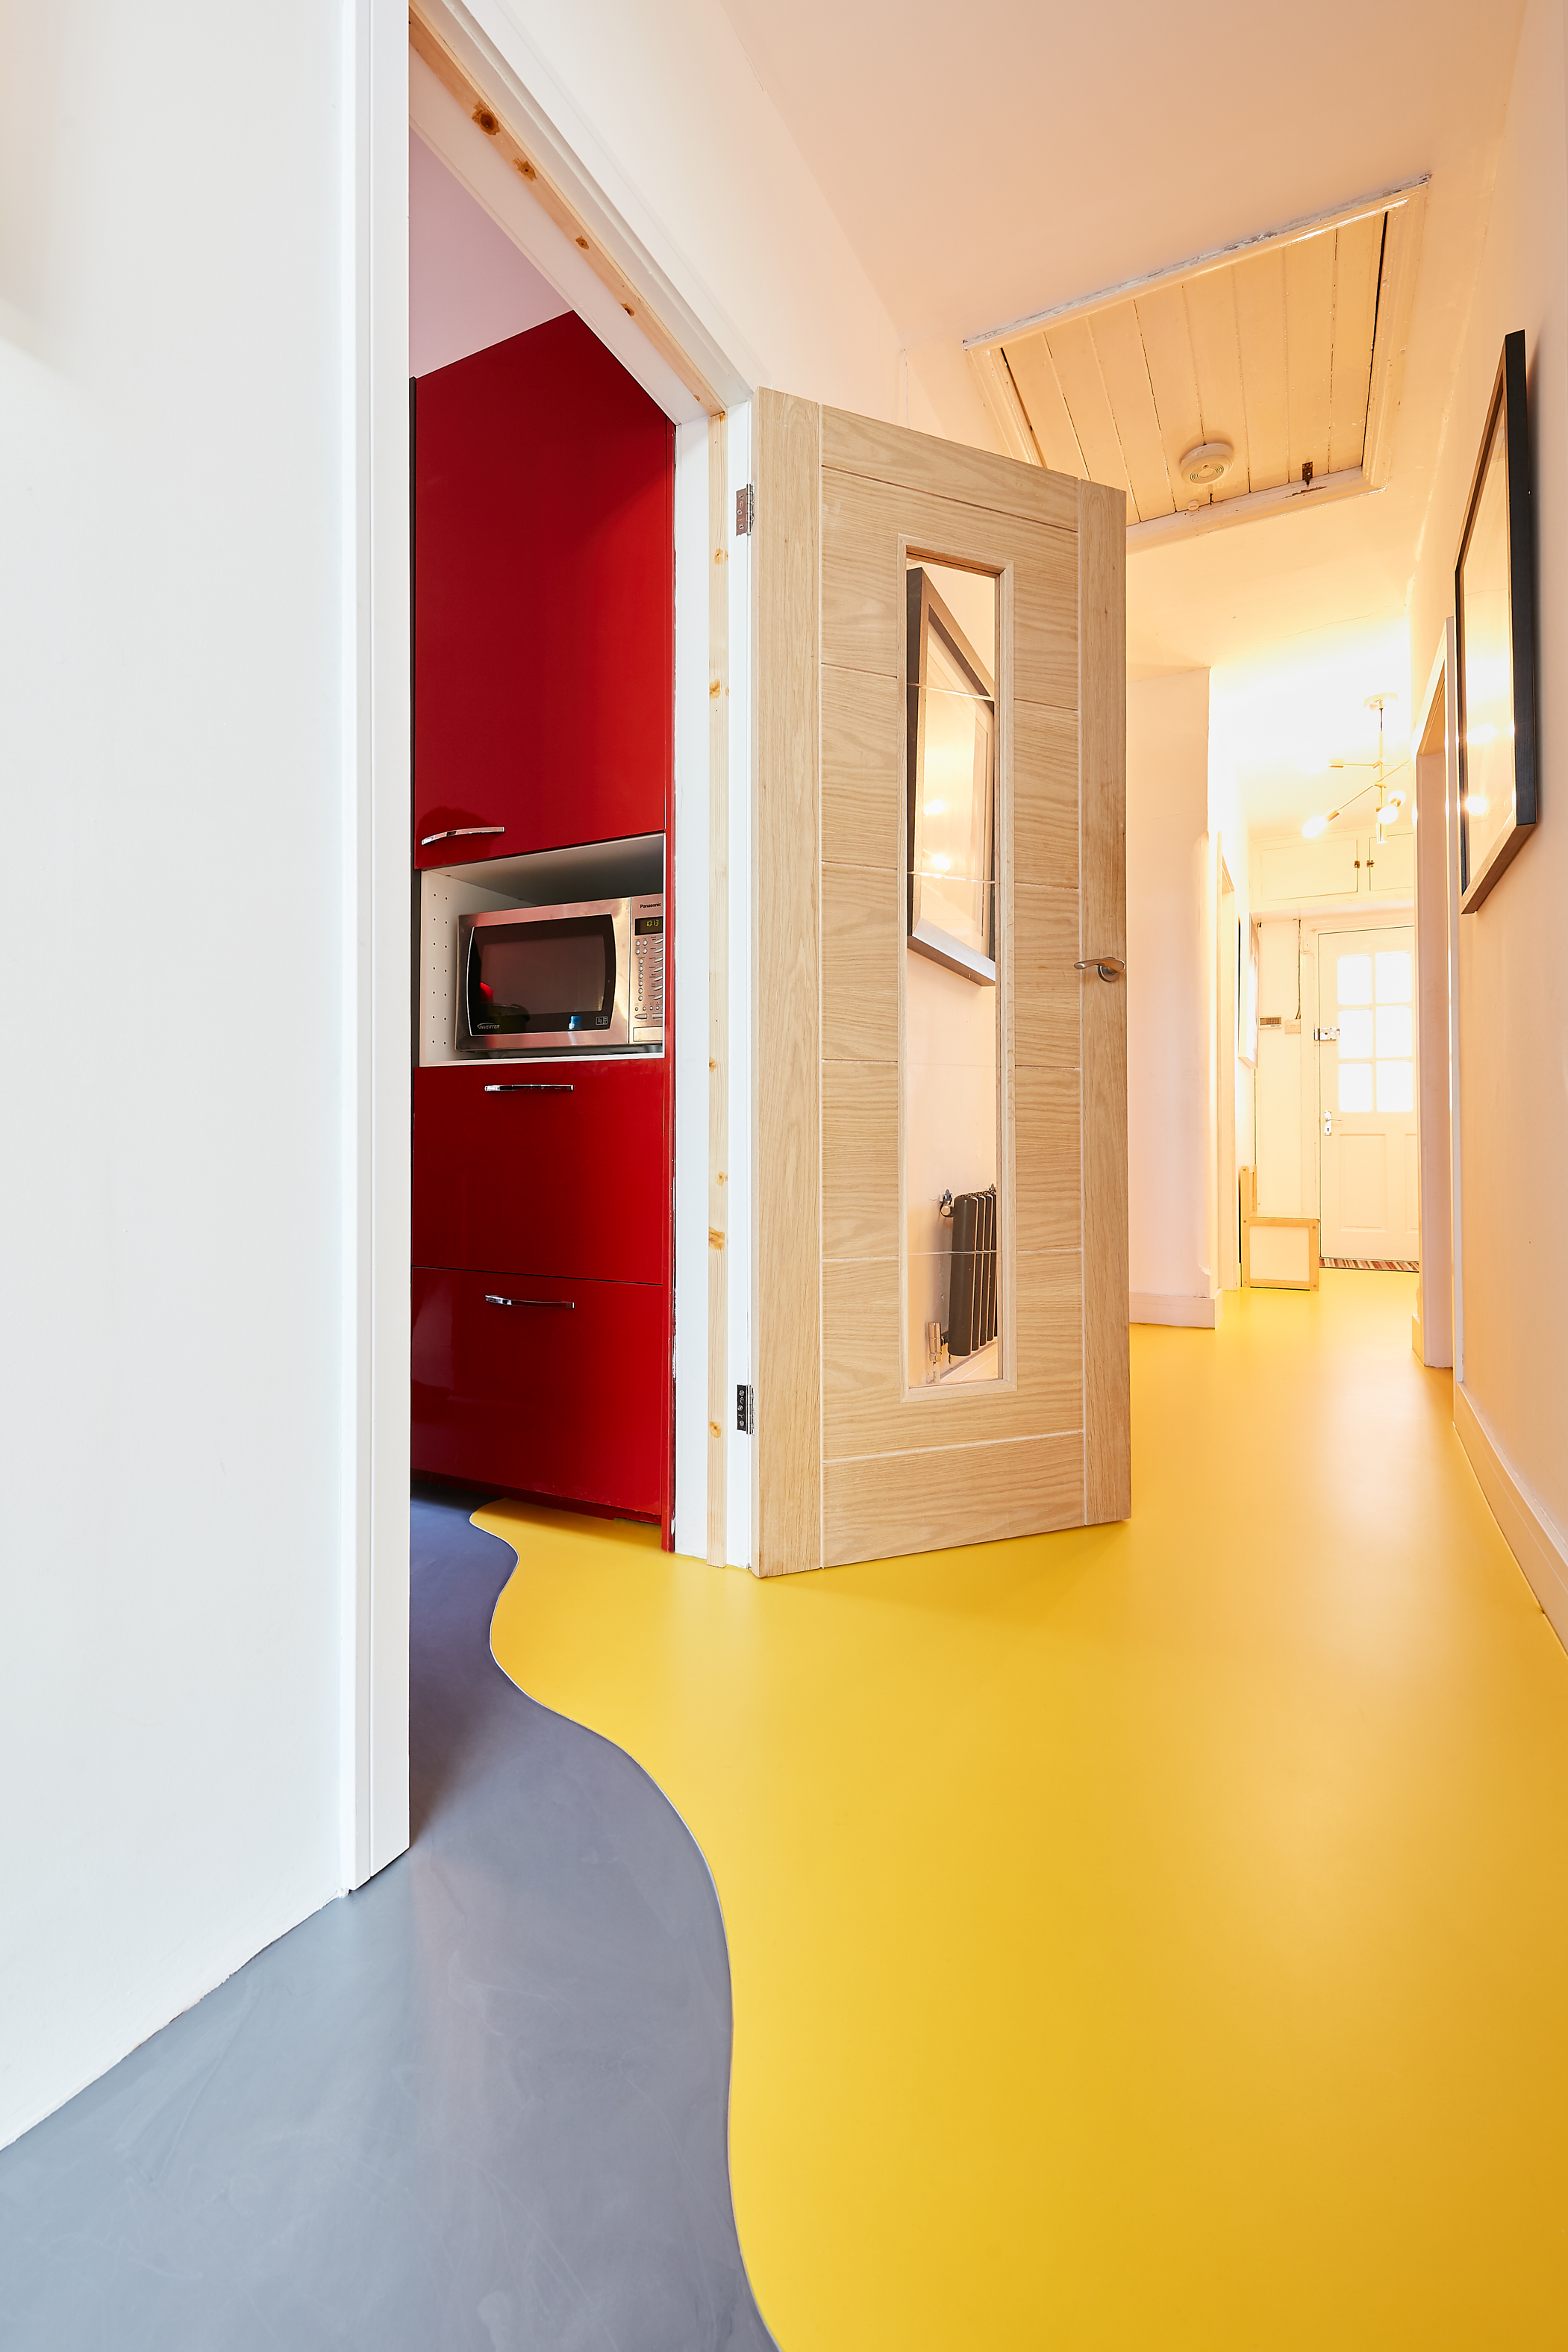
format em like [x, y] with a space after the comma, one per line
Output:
[854, 1460]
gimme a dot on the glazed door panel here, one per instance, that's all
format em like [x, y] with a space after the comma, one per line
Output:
[940, 1319]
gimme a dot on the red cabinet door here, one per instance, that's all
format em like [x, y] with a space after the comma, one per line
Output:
[552, 1387]
[547, 1168]
[544, 600]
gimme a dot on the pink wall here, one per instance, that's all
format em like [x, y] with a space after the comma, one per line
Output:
[468, 286]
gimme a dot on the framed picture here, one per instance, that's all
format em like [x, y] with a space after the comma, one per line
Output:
[950, 812]
[1494, 605]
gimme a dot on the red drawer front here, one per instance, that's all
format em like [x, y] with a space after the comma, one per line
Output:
[566, 1399]
[564, 1171]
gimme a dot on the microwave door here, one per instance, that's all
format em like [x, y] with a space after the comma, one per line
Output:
[552, 981]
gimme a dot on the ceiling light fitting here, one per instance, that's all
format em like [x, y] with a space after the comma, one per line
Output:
[1207, 463]
[1388, 804]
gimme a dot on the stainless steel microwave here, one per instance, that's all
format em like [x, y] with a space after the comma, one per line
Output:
[582, 979]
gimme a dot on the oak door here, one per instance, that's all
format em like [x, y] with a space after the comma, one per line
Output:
[940, 1306]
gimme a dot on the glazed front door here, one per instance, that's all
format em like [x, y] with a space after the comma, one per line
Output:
[940, 1312]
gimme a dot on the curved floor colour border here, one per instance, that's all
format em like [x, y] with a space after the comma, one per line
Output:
[479, 2106]
[1126, 1927]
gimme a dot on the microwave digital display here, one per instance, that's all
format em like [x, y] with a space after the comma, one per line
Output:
[541, 978]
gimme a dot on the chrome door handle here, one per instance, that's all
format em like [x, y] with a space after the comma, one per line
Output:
[493, 1298]
[459, 833]
[529, 1086]
[1109, 967]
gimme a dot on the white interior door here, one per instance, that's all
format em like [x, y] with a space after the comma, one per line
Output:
[1368, 1162]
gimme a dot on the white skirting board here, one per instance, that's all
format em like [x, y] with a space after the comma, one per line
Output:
[1199, 1314]
[1535, 1543]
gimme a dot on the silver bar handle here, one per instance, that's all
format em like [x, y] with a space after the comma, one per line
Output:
[1109, 967]
[459, 833]
[494, 1298]
[529, 1086]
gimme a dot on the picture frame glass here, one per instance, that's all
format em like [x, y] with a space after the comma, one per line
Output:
[1489, 809]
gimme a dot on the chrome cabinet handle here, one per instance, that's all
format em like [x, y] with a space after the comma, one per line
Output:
[1109, 967]
[459, 833]
[529, 1086]
[493, 1298]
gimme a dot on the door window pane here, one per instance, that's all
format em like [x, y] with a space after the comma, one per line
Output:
[1394, 977]
[1394, 1086]
[1355, 1036]
[1355, 1085]
[1393, 1030]
[1354, 982]
[952, 1097]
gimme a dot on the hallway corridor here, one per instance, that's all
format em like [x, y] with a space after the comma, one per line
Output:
[1141, 1937]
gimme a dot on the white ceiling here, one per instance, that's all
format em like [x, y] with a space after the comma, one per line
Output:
[991, 163]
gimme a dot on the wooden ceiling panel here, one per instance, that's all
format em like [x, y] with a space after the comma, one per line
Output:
[1034, 379]
[1077, 366]
[1309, 351]
[1269, 348]
[1216, 354]
[1124, 367]
[1358, 252]
[1260, 285]
[1172, 372]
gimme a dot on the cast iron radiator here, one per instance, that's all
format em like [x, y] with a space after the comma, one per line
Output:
[972, 1295]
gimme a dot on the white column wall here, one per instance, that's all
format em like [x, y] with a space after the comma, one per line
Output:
[1171, 871]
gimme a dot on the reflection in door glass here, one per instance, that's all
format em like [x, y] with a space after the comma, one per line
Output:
[1354, 980]
[950, 1077]
[1375, 1062]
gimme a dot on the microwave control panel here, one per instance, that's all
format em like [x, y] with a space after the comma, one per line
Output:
[648, 972]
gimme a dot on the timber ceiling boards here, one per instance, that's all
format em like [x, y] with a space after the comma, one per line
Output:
[1290, 348]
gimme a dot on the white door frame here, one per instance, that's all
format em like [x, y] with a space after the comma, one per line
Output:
[374, 1806]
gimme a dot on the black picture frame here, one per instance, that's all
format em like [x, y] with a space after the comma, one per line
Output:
[1494, 587]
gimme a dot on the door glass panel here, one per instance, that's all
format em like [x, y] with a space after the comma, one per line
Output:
[1395, 1091]
[1393, 1030]
[1394, 977]
[1355, 1036]
[1355, 1085]
[1354, 980]
[952, 1096]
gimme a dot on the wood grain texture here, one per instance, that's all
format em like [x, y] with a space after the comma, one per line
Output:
[863, 941]
[863, 581]
[860, 1160]
[1040, 393]
[786, 698]
[1046, 1185]
[718, 987]
[1077, 366]
[1102, 719]
[926, 1502]
[1045, 796]
[1124, 364]
[1046, 992]
[864, 1408]
[946, 469]
[862, 772]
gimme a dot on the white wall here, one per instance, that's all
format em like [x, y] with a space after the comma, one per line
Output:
[1513, 953]
[192, 1063]
[468, 284]
[1170, 1003]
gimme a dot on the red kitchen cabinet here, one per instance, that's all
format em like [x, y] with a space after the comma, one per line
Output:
[542, 1385]
[552, 1168]
[544, 601]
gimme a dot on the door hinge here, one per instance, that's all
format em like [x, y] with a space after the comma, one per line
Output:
[745, 512]
[745, 1408]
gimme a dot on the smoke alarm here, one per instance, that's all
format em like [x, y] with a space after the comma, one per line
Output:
[1208, 464]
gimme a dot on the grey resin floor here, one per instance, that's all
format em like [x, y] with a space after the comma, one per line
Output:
[482, 2103]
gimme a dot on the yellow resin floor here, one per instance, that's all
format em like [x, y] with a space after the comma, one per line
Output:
[1153, 1936]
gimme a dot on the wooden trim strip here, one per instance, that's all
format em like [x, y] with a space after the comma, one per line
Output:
[718, 1406]
[1541, 1557]
[490, 116]
[1102, 870]
[787, 1300]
